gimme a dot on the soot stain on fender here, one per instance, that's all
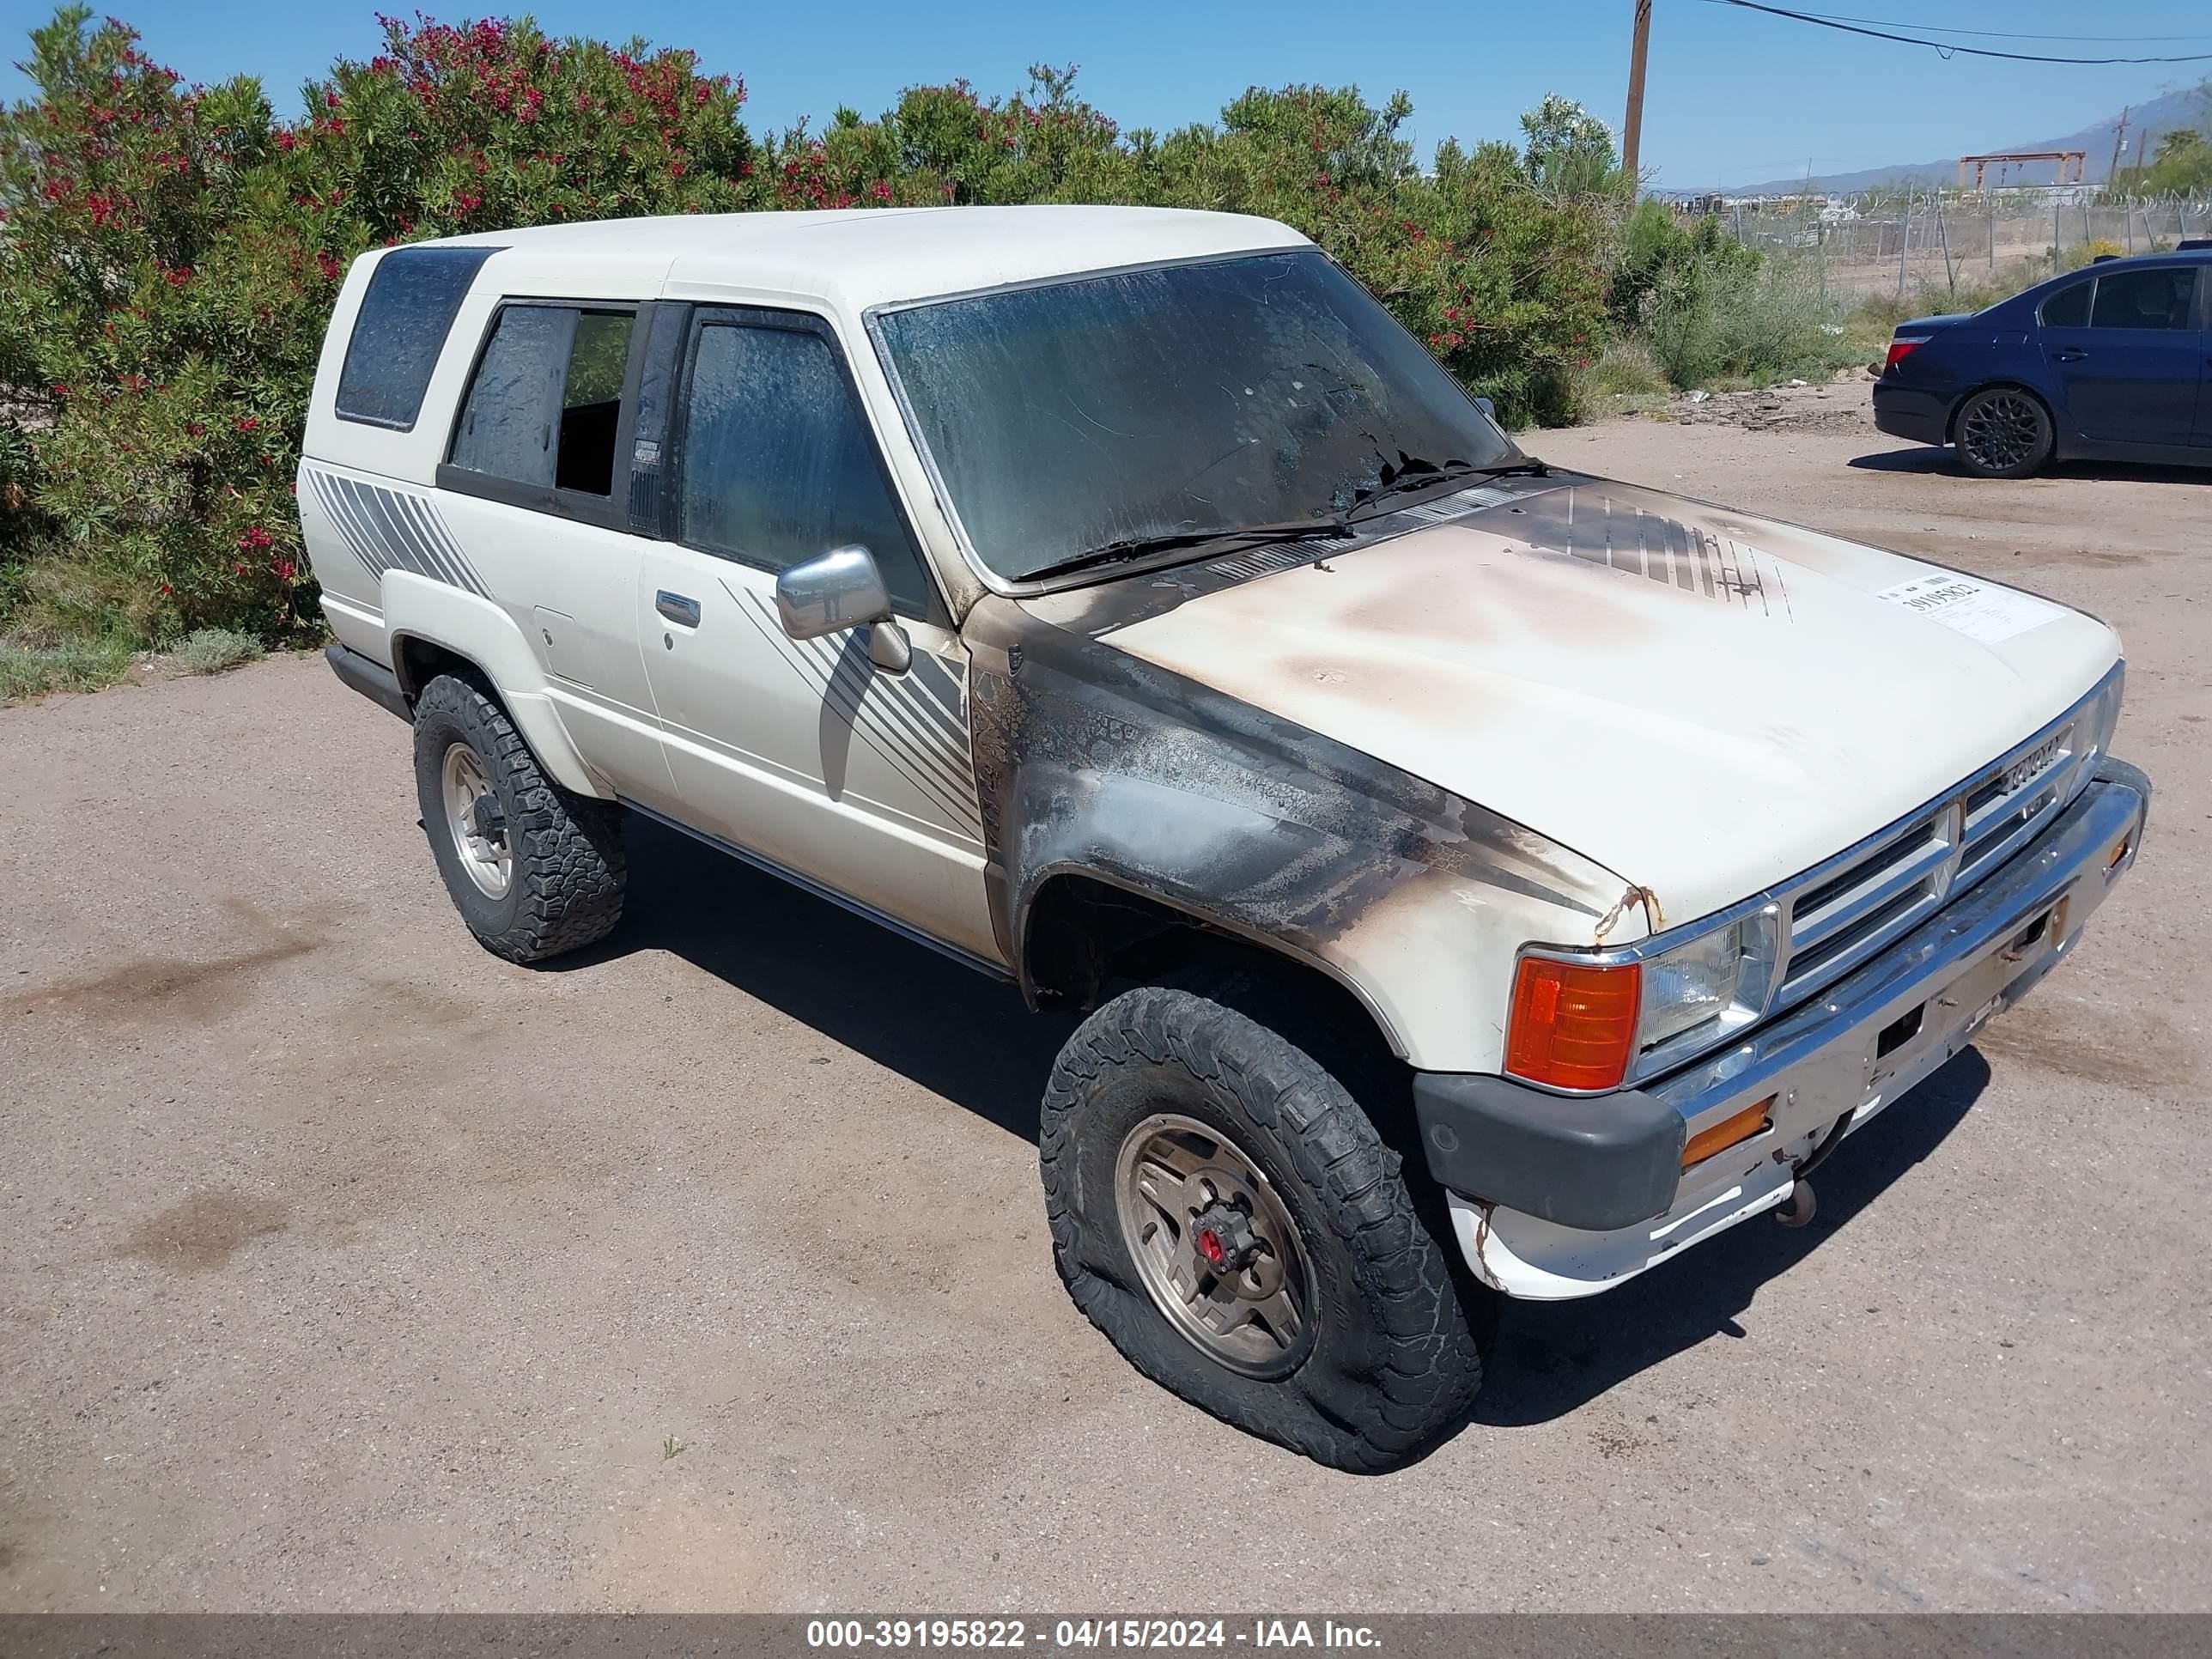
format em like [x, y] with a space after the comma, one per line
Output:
[1090, 760]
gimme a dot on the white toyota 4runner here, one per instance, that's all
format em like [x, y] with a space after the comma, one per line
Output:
[1485, 877]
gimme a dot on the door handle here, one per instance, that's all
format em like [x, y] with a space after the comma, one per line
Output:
[2069, 355]
[677, 608]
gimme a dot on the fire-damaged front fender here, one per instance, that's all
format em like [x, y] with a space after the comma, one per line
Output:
[1090, 762]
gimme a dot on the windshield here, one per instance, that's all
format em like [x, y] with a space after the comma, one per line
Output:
[1167, 403]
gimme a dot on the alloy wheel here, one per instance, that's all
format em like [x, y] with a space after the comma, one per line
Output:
[1217, 1250]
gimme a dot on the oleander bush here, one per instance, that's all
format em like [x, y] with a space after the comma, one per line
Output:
[169, 254]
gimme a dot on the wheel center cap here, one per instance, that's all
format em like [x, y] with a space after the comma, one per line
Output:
[1223, 1236]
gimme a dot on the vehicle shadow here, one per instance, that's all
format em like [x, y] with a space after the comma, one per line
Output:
[902, 1004]
[1554, 1357]
[971, 1040]
[1925, 459]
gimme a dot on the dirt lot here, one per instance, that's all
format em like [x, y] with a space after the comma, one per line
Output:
[344, 1266]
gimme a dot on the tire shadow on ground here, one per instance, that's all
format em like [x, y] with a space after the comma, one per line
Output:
[954, 1031]
[1926, 459]
[972, 1041]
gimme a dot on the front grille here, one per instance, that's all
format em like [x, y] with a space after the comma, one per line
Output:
[1846, 910]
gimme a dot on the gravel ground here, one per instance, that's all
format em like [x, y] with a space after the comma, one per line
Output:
[344, 1266]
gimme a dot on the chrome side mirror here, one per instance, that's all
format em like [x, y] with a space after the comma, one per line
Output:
[1488, 408]
[838, 590]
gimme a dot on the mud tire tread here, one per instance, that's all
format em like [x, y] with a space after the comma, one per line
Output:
[1396, 1359]
[569, 864]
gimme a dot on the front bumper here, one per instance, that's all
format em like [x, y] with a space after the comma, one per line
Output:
[1553, 1198]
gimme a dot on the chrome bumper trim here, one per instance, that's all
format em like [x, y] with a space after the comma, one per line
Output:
[1845, 1056]
[2061, 864]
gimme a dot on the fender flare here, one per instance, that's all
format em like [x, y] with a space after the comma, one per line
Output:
[484, 635]
[1220, 918]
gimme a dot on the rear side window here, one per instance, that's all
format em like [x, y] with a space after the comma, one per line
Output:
[545, 404]
[2068, 307]
[400, 330]
[2157, 298]
[778, 465]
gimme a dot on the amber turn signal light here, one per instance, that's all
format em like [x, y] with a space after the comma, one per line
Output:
[1573, 1024]
[1741, 1127]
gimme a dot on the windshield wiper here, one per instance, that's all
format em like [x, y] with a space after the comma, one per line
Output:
[1420, 475]
[1130, 548]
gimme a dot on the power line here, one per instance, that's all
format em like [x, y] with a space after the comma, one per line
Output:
[2007, 34]
[1948, 48]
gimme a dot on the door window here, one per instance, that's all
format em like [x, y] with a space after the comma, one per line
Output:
[778, 465]
[2160, 297]
[546, 399]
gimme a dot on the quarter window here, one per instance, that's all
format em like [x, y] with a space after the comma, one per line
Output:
[778, 465]
[546, 399]
[2068, 307]
[400, 331]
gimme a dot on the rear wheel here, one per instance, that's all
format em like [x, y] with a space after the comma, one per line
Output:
[2004, 432]
[1226, 1212]
[534, 870]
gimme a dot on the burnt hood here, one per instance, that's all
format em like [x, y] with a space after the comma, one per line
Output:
[1703, 701]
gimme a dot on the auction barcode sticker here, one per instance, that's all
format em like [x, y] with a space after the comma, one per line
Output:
[1980, 610]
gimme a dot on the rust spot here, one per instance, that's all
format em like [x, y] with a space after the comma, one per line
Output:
[205, 1231]
[1611, 919]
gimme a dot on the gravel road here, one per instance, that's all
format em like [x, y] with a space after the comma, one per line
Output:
[344, 1266]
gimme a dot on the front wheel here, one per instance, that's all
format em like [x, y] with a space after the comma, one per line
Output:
[2004, 432]
[1223, 1209]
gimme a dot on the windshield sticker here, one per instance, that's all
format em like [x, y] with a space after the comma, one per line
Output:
[1981, 611]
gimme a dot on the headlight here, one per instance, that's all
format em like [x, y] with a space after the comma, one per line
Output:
[1595, 1022]
[2093, 735]
[1691, 984]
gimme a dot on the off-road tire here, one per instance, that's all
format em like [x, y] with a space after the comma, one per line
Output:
[569, 864]
[1394, 1358]
[2033, 437]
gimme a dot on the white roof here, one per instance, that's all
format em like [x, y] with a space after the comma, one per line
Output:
[856, 258]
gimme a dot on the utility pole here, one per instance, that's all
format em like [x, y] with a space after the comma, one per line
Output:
[1631, 132]
[2119, 144]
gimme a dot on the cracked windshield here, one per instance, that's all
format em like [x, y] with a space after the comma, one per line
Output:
[1112, 414]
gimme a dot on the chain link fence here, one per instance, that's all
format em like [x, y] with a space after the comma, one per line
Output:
[1902, 241]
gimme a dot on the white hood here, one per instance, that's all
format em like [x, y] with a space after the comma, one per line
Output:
[1703, 702]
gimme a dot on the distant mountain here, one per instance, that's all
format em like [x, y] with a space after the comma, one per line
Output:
[2146, 122]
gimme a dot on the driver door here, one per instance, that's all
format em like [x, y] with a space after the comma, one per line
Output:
[803, 754]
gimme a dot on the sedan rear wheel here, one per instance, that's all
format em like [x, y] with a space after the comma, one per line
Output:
[2003, 433]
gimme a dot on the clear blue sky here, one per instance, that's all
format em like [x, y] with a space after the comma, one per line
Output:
[1734, 96]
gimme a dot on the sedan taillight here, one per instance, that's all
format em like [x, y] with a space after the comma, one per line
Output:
[1902, 347]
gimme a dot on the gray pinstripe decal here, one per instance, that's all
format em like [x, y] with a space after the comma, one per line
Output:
[394, 530]
[913, 720]
[341, 521]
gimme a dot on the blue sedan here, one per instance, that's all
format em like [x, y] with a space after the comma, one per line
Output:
[2110, 363]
